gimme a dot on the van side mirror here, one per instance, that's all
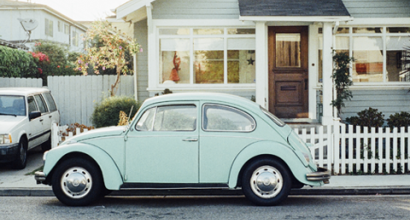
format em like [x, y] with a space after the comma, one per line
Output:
[34, 114]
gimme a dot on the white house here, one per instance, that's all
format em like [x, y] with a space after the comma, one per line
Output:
[278, 51]
[51, 25]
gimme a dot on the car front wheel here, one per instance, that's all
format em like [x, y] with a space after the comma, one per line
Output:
[266, 182]
[21, 159]
[77, 182]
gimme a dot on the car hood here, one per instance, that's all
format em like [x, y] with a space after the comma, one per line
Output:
[8, 122]
[100, 132]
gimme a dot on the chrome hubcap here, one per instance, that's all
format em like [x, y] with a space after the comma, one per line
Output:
[266, 182]
[76, 182]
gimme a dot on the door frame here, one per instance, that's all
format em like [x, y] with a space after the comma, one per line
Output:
[304, 30]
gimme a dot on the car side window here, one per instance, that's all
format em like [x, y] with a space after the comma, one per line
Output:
[225, 118]
[175, 118]
[32, 106]
[145, 123]
[40, 102]
[50, 102]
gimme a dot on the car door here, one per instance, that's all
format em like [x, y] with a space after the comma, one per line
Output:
[54, 115]
[45, 119]
[34, 128]
[163, 145]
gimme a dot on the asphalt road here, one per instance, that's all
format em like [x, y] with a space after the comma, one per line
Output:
[295, 207]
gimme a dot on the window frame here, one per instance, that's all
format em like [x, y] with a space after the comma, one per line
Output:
[191, 36]
[229, 107]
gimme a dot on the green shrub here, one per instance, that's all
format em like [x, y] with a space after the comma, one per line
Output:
[106, 113]
[367, 118]
[401, 119]
[16, 63]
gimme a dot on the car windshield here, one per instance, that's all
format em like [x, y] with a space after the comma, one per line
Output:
[12, 105]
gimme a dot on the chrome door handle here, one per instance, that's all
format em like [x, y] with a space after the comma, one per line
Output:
[191, 139]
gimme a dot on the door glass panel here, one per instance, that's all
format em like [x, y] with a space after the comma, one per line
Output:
[288, 50]
[224, 118]
[40, 103]
[175, 118]
[50, 102]
[146, 121]
[32, 106]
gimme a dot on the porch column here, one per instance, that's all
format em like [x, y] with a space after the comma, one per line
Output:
[261, 68]
[327, 64]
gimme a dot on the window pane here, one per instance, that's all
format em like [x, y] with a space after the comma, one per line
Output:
[396, 49]
[50, 102]
[176, 118]
[40, 103]
[174, 61]
[241, 60]
[240, 31]
[208, 31]
[224, 118]
[209, 60]
[12, 105]
[288, 50]
[367, 30]
[368, 55]
[174, 31]
[145, 123]
[32, 106]
[398, 30]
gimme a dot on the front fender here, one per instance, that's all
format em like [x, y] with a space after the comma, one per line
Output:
[275, 149]
[110, 172]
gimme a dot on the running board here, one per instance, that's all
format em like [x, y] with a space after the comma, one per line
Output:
[170, 186]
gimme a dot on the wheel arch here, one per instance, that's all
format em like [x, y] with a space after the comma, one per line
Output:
[110, 173]
[274, 150]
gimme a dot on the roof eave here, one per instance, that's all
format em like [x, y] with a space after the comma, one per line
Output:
[296, 18]
[130, 7]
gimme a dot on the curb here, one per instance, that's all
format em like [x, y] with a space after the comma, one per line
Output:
[306, 191]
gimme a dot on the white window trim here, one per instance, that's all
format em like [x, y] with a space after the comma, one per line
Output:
[154, 58]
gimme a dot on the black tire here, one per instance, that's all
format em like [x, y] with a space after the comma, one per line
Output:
[46, 145]
[21, 158]
[85, 185]
[274, 180]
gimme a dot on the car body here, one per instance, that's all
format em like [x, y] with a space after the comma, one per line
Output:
[26, 116]
[180, 141]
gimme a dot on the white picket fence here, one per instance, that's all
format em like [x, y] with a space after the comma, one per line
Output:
[345, 150]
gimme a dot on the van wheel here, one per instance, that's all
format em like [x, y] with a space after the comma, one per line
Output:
[266, 182]
[21, 159]
[77, 182]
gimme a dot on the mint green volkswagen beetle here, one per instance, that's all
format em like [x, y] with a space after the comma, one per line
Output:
[180, 141]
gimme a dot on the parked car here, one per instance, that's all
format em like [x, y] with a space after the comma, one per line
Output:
[180, 141]
[26, 116]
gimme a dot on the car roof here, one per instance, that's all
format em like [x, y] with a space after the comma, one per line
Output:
[204, 96]
[21, 90]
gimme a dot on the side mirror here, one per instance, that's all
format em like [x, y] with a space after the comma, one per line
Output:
[34, 114]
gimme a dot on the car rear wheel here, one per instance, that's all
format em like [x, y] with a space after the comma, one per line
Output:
[266, 182]
[77, 182]
[21, 159]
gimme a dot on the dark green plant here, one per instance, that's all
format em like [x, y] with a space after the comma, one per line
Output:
[17, 63]
[106, 113]
[367, 118]
[341, 80]
[401, 119]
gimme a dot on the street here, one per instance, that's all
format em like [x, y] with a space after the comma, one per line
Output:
[295, 207]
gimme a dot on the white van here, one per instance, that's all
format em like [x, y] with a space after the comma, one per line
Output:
[26, 116]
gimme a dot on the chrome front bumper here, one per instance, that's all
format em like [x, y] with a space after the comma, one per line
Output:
[40, 177]
[322, 174]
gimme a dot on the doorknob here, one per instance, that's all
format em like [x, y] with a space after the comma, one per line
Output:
[191, 139]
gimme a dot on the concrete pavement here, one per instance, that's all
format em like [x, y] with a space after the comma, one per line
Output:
[18, 183]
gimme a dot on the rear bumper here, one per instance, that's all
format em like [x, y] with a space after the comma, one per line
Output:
[8, 153]
[322, 174]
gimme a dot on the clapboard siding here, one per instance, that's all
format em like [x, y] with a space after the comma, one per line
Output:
[386, 101]
[195, 9]
[378, 8]
[140, 34]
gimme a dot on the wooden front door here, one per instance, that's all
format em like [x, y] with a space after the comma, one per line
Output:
[288, 71]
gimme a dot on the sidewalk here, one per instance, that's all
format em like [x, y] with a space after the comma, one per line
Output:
[17, 183]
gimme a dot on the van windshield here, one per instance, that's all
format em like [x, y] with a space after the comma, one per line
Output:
[12, 105]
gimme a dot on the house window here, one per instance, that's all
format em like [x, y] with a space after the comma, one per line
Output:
[378, 52]
[60, 26]
[66, 29]
[49, 27]
[206, 56]
[74, 38]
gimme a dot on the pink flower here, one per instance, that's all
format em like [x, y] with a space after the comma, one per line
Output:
[40, 70]
[103, 68]
[120, 48]
[79, 61]
[141, 50]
